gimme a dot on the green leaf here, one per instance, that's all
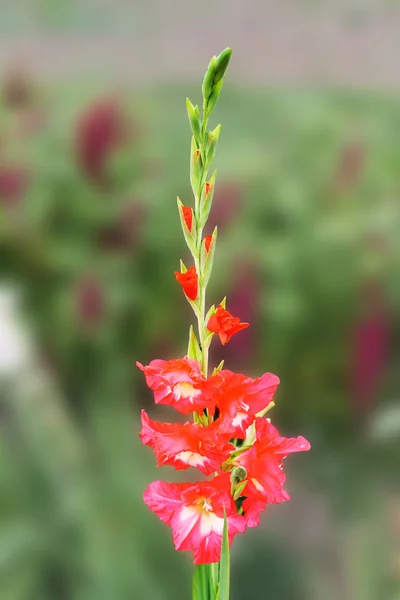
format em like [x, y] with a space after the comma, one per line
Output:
[202, 585]
[224, 565]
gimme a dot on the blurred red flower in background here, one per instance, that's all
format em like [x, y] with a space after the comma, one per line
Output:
[89, 302]
[369, 348]
[14, 181]
[101, 129]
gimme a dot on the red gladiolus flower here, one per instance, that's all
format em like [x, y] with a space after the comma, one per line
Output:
[187, 213]
[263, 463]
[178, 383]
[207, 243]
[189, 282]
[184, 446]
[196, 514]
[239, 399]
[223, 323]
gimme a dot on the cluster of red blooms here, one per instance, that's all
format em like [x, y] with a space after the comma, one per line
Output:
[230, 440]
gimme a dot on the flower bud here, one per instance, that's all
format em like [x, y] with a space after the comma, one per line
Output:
[207, 257]
[195, 166]
[194, 119]
[207, 243]
[222, 63]
[211, 144]
[207, 86]
[238, 474]
[213, 80]
[206, 199]
[188, 224]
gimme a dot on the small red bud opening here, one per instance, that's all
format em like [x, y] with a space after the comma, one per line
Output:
[207, 243]
[187, 213]
[208, 187]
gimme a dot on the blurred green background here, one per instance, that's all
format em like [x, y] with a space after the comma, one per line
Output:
[94, 148]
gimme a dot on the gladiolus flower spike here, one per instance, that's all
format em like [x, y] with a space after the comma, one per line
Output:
[228, 439]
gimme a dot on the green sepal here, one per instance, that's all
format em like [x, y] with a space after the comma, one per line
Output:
[224, 564]
[195, 166]
[193, 347]
[208, 339]
[190, 237]
[207, 259]
[206, 200]
[216, 370]
[223, 303]
[182, 266]
[211, 144]
[194, 119]
[239, 489]
[213, 99]
[211, 311]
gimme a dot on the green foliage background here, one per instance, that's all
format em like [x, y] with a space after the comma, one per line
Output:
[72, 472]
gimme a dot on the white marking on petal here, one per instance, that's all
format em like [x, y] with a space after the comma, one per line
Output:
[191, 458]
[209, 522]
[258, 485]
[238, 419]
[185, 390]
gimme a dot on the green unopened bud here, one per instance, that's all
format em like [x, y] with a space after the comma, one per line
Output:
[211, 145]
[209, 77]
[238, 474]
[194, 120]
[213, 79]
[222, 64]
[195, 166]
[238, 481]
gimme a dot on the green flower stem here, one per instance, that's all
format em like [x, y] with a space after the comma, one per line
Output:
[202, 288]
